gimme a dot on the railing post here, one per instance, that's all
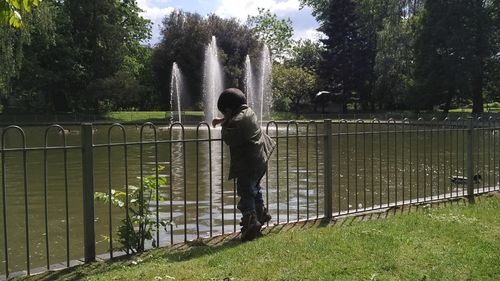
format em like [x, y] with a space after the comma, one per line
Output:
[88, 192]
[470, 160]
[328, 143]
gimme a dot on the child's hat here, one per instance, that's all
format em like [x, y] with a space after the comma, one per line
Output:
[231, 98]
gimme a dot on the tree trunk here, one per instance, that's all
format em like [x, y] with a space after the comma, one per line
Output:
[477, 95]
[447, 104]
[5, 103]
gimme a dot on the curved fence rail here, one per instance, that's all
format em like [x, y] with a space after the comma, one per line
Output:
[76, 193]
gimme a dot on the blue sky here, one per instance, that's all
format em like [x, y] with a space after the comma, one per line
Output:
[303, 22]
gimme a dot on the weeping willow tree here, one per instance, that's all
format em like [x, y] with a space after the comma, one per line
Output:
[18, 26]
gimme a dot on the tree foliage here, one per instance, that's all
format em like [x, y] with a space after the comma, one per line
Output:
[38, 30]
[184, 39]
[348, 59]
[450, 62]
[410, 54]
[292, 87]
[68, 56]
[305, 54]
[492, 66]
[393, 68]
[76, 56]
[13, 11]
[276, 33]
[105, 32]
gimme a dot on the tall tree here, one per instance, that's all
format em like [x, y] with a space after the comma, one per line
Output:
[451, 50]
[94, 49]
[184, 36]
[37, 26]
[347, 62]
[393, 69]
[492, 66]
[184, 39]
[104, 32]
[319, 8]
[275, 32]
[235, 42]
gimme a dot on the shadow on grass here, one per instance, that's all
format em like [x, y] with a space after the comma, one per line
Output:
[175, 253]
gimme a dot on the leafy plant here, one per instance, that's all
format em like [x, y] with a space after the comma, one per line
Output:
[11, 11]
[140, 224]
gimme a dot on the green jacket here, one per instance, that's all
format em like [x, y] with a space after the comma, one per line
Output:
[249, 146]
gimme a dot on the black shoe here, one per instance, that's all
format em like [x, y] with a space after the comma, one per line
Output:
[262, 215]
[250, 226]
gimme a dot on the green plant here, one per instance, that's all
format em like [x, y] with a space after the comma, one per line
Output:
[140, 223]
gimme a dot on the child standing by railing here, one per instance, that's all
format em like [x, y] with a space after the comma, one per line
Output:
[250, 149]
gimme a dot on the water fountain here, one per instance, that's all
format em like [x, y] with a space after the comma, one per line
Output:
[176, 91]
[258, 88]
[249, 82]
[213, 82]
[265, 84]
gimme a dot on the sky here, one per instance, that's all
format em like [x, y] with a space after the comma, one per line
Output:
[303, 22]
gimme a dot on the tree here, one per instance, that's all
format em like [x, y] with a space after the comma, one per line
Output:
[492, 64]
[347, 62]
[305, 54]
[79, 56]
[319, 8]
[235, 41]
[104, 32]
[292, 86]
[274, 32]
[184, 39]
[451, 50]
[12, 11]
[393, 69]
[38, 28]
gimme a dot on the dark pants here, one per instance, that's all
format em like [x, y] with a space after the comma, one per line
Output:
[249, 190]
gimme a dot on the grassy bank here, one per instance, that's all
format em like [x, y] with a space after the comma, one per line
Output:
[136, 116]
[488, 108]
[452, 241]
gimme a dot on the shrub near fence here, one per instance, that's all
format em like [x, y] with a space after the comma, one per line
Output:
[320, 169]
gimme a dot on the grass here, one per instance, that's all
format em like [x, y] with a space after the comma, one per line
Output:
[454, 241]
[488, 107]
[136, 116]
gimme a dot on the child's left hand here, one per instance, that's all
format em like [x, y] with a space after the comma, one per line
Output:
[216, 121]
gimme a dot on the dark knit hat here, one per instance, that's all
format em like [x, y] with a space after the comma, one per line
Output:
[231, 98]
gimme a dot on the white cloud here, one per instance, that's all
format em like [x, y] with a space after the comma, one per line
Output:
[243, 8]
[311, 34]
[303, 22]
[153, 12]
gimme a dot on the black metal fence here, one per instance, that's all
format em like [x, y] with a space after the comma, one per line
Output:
[320, 169]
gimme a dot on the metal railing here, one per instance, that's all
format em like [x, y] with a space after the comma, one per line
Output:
[319, 169]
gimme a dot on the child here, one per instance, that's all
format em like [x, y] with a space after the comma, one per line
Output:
[250, 149]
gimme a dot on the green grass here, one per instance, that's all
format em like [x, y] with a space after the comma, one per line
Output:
[135, 116]
[454, 241]
[488, 107]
